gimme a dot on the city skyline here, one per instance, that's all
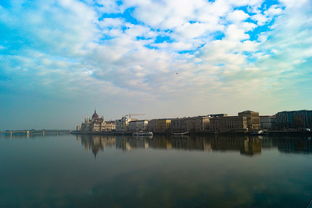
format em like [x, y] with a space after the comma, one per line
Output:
[61, 59]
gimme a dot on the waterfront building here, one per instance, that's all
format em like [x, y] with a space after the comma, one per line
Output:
[123, 123]
[228, 124]
[192, 124]
[138, 125]
[109, 126]
[96, 124]
[159, 125]
[197, 124]
[266, 122]
[178, 125]
[217, 115]
[253, 119]
[293, 119]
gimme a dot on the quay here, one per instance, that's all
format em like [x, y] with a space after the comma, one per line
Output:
[246, 123]
[32, 132]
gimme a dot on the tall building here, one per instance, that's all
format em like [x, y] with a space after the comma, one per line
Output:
[293, 119]
[253, 119]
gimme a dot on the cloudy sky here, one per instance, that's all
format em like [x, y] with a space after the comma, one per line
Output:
[60, 59]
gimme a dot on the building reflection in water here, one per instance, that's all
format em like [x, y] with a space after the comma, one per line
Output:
[96, 143]
[246, 145]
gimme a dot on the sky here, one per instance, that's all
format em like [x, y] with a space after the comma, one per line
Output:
[61, 59]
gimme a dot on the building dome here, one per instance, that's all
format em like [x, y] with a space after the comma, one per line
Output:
[95, 115]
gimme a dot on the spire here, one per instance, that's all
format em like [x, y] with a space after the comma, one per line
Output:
[95, 115]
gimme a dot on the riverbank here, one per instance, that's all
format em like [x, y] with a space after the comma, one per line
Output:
[273, 132]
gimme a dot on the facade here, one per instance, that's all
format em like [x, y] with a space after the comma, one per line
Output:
[96, 124]
[178, 125]
[228, 124]
[192, 124]
[109, 126]
[253, 119]
[138, 125]
[159, 126]
[266, 122]
[197, 124]
[123, 123]
[293, 119]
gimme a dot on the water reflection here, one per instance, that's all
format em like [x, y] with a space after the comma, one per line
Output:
[246, 145]
[96, 143]
[184, 172]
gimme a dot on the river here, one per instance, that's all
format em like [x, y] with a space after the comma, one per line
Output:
[164, 171]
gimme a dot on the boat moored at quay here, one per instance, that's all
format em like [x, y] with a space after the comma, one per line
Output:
[143, 134]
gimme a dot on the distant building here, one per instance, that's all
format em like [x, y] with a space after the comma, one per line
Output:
[109, 126]
[159, 125]
[293, 119]
[178, 125]
[253, 119]
[266, 122]
[217, 115]
[228, 124]
[137, 125]
[123, 123]
[197, 124]
[191, 124]
[96, 124]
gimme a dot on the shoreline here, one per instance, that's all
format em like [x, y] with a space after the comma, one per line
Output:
[299, 133]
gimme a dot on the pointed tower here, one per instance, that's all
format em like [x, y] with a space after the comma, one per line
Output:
[95, 115]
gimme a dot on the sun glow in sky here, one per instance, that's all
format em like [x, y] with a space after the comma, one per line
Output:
[60, 59]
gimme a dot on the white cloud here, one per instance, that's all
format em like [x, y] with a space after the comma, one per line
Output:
[237, 16]
[73, 54]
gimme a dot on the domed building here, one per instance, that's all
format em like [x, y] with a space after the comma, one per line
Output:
[96, 124]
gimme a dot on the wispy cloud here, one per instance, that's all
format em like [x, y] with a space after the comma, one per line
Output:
[161, 51]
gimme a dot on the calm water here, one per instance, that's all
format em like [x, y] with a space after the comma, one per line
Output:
[70, 171]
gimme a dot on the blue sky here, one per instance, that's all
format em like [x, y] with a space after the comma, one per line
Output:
[60, 59]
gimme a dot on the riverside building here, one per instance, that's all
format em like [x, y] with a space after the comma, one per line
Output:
[191, 124]
[96, 124]
[138, 125]
[266, 122]
[227, 124]
[122, 124]
[161, 126]
[246, 121]
[293, 119]
[253, 119]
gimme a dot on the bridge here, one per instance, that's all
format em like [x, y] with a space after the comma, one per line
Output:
[34, 132]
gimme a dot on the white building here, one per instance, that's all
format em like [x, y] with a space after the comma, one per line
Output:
[123, 123]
